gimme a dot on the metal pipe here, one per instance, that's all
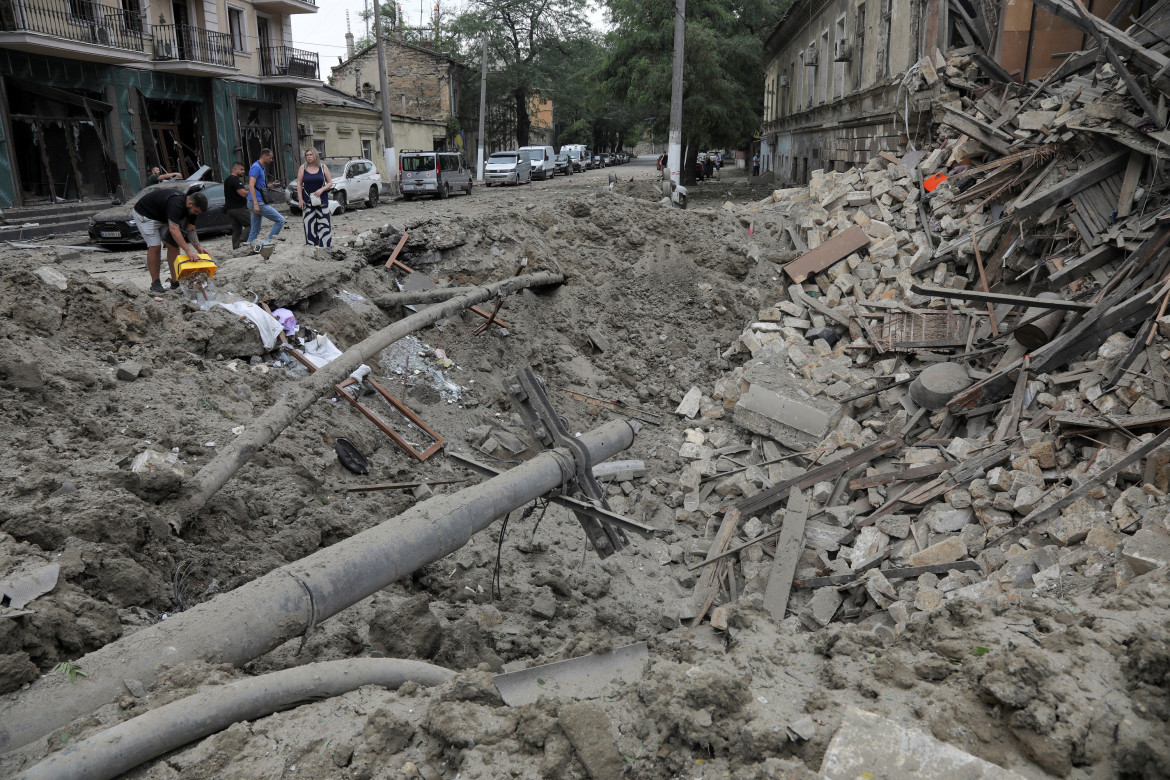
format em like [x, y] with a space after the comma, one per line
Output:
[120, 748]
[285, 603]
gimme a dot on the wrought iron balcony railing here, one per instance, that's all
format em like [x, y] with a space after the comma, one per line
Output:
[192, 44]
[287, 61]
[83, 21]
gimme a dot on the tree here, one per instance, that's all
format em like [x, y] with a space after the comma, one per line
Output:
[724, 77]
[527, 41]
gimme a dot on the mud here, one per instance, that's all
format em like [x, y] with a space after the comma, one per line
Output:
[1069, 684]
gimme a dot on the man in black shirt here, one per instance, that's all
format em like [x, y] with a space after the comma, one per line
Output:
[168, 215]
[235, 201]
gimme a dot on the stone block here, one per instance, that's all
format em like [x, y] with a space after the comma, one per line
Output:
[776, 405]
[946, 551]
[1146, 550]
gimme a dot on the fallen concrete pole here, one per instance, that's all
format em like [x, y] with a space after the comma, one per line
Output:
[285, 603]
[420, 297]
[269, 425]
[120, 748]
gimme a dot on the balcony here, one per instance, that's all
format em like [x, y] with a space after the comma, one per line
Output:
[286, 6]
[285, 66]
[76, 29]
[181, 48]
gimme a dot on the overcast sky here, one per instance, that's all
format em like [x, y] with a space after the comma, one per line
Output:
[324, 31]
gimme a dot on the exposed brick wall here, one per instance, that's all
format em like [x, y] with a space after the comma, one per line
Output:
[419, 82]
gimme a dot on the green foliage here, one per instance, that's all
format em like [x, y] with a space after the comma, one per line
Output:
[980, 651]
[723, 80]
[70, 670]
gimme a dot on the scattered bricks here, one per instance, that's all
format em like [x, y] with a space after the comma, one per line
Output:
[928, 599]
[1074, 523]
[946, 551]
[129, 371]
[1026, 499]
[896, 526]
[857, 198]
[962, 448]
[959, 498]
[879, 588]
[1023, 479]
[1100, 536]
[753, 527]
[689, 479]
[1044, 452]
[1146, 550]
[943, 518]
[974, 537]
[823, 605]
[999, 479]
[870, 541]
[690, 403]
[938, 384]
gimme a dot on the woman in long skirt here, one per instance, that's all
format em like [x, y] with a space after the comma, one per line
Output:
[313, 185]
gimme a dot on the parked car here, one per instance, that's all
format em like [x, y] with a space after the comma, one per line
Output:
[563, 164]
[577, 156]
[355, 180]
[115, 226]
[507, 168]
[598, 161]
[433, 173]
[541, 158]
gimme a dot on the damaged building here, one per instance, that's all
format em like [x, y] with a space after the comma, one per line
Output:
[93, 94]
[840, 76]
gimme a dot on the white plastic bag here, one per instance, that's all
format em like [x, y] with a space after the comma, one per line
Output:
[314, 200]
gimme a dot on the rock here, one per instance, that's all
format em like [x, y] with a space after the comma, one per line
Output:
[16, 669]
[544, 606]
[157, 475]
[20, 375]
[824, 605]
[944, 519]
[1100, 536]
[753, 527]
[590, 732]
[1075, 522]
[52, 277]
[689, 407]
[1146, 550]
[407, 629]
[803, 729]
[866, 742]
[946, 551]
[129, 371]
[928, 599]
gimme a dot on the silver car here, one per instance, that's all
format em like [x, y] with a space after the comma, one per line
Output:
[433, 173]
[355, 180]
[507, 168]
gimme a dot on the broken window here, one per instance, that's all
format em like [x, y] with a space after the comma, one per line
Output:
[258, 131]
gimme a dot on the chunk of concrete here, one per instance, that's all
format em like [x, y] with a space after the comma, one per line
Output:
[690, 403]
[129, 371]
[869, 745]
[1146, 550]
[777, 406]
[824, 605]
[946, 551]
[591, 734]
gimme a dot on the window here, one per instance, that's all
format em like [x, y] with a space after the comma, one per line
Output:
[367, 149]
[320, 147]
[236, 28]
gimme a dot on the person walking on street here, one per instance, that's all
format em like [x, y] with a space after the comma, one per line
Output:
[313, 185]
[257, 182]
[168, 216]
[755, 165]
[235, 203]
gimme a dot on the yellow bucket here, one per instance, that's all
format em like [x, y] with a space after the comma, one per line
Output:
[186, 266]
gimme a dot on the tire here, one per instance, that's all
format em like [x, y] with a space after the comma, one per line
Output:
[372, 201]
[469, 183]
[407, 197]
[445, 193]
[342, 202]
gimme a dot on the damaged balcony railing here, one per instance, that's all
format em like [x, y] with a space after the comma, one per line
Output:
[83, 21]
[287, 61]
[184, 42]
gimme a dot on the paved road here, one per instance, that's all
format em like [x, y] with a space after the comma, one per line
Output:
[644, 167]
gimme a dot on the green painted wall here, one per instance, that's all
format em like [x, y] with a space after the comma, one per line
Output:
[216, 98]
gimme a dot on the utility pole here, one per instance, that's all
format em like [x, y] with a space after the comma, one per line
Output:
[674, 139]
[388, 158]
[482, 110]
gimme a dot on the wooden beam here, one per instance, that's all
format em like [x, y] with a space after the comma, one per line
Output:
[832, 251]
[980, 131]
[909, 572]
[708, 587]
[1099, 170]
[1082, 266]
[990, 297]
[788, 549]
[1129, 184]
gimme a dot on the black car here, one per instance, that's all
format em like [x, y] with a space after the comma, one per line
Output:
[563, 164]
[116, 226]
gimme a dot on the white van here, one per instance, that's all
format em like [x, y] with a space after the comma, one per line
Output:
[507, 168]
[541, 158]
[433, 173]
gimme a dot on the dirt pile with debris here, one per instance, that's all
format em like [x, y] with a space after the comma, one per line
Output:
[852, 534]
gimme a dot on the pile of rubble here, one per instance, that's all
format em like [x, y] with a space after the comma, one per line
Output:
[957, 387]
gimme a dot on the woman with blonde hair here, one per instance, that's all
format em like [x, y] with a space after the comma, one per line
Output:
[313, 185]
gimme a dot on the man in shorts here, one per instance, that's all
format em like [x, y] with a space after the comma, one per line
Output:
[167, 215]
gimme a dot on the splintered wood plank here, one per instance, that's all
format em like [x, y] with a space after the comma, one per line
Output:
[788, 549]
[832, 251]
[708, 587]
[1087, 176]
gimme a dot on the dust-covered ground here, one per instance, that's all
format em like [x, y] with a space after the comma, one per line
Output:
[1054, 683]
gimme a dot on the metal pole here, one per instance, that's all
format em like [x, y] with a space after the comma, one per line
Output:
[674, 150]
[390, 173]
[482, 110]
[260, 615]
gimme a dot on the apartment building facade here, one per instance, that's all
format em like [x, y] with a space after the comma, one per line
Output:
[95, 92]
